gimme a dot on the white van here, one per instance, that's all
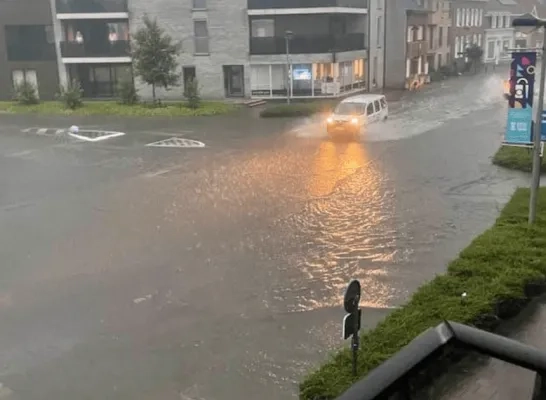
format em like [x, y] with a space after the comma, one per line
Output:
[354, 113]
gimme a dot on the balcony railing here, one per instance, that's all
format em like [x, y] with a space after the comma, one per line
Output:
[270, 4]
[396, 376]
[43, 52]
[307, 44]
[119, 48]
[90, 6]
[417, 48]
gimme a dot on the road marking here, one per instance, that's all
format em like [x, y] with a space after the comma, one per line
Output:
[177, 143]
[5, 392]
[41, 131]
[103, 135]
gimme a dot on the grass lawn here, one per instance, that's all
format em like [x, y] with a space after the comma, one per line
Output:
[518, 158]
[114, 108]
[298, 109]
[494, 270]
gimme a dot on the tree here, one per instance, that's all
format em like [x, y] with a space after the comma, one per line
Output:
[474, 54]
[154, 56]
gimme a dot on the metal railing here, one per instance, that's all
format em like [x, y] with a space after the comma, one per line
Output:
[308, 44]
[96, 48]
[270, 4]
[391, 379]
[91, 6]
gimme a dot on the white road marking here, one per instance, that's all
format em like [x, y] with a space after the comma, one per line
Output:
[5, 392]
[141, 299]
[106, 135]
[60, 131]
[41, 131]
[178, 143]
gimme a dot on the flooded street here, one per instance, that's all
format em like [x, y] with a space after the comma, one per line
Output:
[216, 273]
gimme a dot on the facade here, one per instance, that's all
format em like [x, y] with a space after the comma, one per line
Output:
[242, 48]
[92, 41]
[526, 38]
[417, 41]
[467, 27]
[27, 48]
[499, 34]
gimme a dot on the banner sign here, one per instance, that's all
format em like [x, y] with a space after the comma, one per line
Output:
[520, 102]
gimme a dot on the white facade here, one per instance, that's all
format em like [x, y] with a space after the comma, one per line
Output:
[499, 37]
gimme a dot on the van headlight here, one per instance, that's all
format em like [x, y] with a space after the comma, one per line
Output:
[329, 120]
[354, 121]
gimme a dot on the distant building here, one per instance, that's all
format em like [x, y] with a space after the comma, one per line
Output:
[499, 33]
[467, 28]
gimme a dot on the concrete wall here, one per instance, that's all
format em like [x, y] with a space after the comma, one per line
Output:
[228, 40]
[17, 13]
[376, 44]
[395, 54]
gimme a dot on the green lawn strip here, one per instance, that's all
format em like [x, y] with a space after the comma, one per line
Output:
[299, 109]
[493, 270]
[114, 108]
[517, 158]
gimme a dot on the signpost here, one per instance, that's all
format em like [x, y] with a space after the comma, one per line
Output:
[352, 320]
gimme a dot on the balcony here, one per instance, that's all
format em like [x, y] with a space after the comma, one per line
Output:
[91, 6]
[357, 5]
[417, 48]
[301, 44]
[43, 52]
[119, 48]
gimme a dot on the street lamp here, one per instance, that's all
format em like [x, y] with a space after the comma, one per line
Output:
[529, 20]
[288, 35]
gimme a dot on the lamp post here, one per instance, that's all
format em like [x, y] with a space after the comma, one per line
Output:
[288, 35]
[531, 21]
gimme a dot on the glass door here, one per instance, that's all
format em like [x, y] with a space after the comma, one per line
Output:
[234, 80]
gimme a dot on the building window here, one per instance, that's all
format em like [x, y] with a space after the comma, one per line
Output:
[188, 74]
[467, 16]
[490, 49]
[480, 17]
[21, 76]
[440, 36]
[494, 21]
[507, 21]
[457, 41]
[29, 42]
[263, 28]
[201, 37]
[475, 39]
[199, 4]
[379, 31]
[499, 21]
[458, 22]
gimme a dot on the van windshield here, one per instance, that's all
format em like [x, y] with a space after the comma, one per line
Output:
[349, 109]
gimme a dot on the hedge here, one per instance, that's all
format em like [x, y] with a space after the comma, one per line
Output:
[296, 109]
[518, 158]
[497, 271]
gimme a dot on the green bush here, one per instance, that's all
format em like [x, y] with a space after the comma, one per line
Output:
[518, 158]
[25, 93]
[295, 109]
[191, 93]
[71, 95]
[496, 271]
[127, 93]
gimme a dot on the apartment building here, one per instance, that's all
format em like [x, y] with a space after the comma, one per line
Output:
[27, 48]
[467, 27]
[93, 47]
[270, 49]
[499, 33]
[417, 41]
[524, 37]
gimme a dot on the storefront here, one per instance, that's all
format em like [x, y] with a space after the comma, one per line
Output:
[307, 80]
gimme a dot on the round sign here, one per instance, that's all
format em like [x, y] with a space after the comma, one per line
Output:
[352, 297]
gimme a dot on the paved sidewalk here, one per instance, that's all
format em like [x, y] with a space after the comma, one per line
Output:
[498, 380]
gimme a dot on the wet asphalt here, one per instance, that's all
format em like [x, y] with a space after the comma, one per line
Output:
[216, 273]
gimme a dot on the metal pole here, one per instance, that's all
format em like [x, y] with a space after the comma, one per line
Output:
[289, 80]
[535, 180]
[355, 341]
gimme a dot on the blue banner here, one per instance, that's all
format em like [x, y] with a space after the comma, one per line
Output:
[520, 103]
[518, 127]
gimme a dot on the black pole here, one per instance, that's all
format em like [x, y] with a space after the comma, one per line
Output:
[355, 341]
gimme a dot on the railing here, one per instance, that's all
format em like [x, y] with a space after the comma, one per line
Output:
[38, 52]
[308, 44]
[417, 48]
[118, 48]
[268, 4]
[90, 6]
[392, 378]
